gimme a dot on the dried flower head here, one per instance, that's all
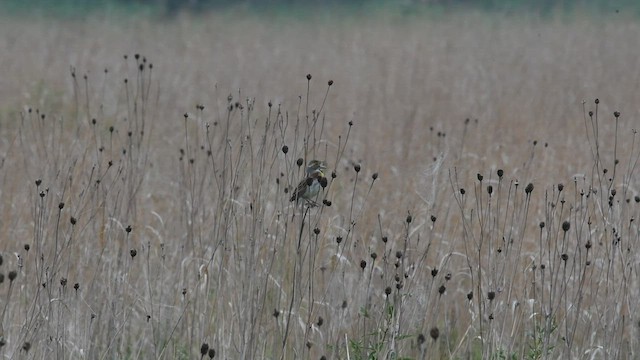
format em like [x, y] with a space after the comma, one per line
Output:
[528, 189]
[434, 333]
[204, 348]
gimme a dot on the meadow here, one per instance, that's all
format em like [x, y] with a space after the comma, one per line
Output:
[482, 195]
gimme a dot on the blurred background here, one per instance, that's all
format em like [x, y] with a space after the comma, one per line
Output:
[173, 7]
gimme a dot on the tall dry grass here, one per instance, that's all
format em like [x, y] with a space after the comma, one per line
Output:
[144, 200]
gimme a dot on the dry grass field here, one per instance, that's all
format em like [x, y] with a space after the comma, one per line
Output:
[480, 203]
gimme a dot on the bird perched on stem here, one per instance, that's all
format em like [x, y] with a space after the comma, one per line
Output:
[309, 187]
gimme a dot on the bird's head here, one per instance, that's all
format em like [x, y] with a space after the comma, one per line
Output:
[316, 174]
[315, 165]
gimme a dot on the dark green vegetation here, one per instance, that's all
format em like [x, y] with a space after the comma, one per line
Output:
[164, 8]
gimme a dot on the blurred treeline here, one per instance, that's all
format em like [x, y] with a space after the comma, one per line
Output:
[174, 7]
[541, 5]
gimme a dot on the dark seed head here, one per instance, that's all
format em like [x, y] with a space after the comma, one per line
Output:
[299, 162]
[421, 339]
[285, 149]
[12, 275]
[480, 177]
[308, 76]
[616, 114]
[500, 173]
[564, 257]
[330, 82]
[363, 264]
[560, 187]
[597, 101]
[204, 349]
[442, 289]
[374, 176]
[133, 253]
[565, 226]
[490, 189]
[434, 333]
[491, 295]
[387, 290]
[356, 167]
[470, 296]
[529, 188]
[434, 272]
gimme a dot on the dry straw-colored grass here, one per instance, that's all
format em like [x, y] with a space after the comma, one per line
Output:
[161, 221]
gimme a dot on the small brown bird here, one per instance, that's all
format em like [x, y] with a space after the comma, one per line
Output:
[309, 188]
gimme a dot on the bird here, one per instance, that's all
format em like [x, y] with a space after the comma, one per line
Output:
[310, 186]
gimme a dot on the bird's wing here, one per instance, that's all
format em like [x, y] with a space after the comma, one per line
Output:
[301, 189]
